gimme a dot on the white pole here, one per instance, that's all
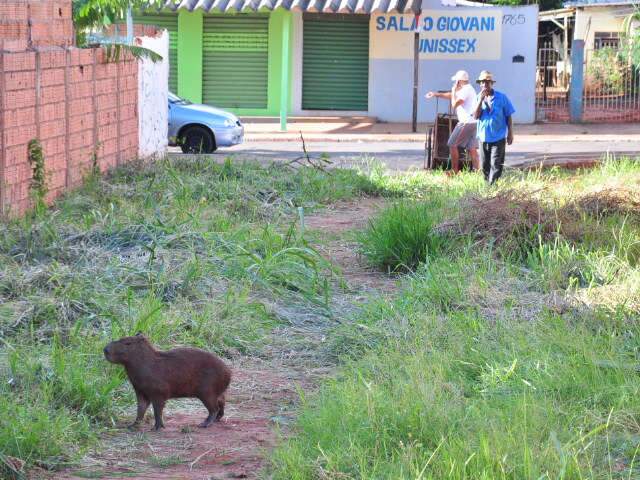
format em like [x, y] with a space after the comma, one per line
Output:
[129, 26]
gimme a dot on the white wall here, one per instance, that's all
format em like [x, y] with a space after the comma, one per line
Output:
[390, 97]
[597, 19]
[153, 87]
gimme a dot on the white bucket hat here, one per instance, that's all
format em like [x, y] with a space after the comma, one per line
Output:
[460, 75]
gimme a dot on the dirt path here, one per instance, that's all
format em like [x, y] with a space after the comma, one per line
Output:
[262, 396]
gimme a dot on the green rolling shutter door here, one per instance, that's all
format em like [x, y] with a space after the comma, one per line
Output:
[170, 22]
[235, 60]
[335, 62]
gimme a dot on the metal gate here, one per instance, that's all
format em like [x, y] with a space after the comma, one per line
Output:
[611, 86]
[235, 60]
[552, 85]
[335, 64]
[611, 91]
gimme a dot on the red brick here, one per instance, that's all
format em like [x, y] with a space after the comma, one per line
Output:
[15, 155]
[19, 117]
[52, 129]
[14, 10]
[19, 135]
[17, 174]
[52, 76]
[53, 94]
[52, 111]
[81, 90]
[57, 179]
[13, 30]
[79, 123]
[53, 59]
[82, 139]
[81, 73]
[20, 98]
[107, 132]
[80, 107]
[53, 146]
[105, 86]
[14, 62]
[108, 116]
[81, 56]
[20, 80]
[18, 45]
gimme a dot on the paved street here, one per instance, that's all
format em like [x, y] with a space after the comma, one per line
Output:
[404, 155]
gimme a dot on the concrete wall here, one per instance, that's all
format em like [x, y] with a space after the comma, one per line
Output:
[153, 87]
[391, 79]
[81, 106]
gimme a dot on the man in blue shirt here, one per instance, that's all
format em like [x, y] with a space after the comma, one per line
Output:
[493, 111]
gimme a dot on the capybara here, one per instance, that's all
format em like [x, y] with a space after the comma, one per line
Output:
[157, 376]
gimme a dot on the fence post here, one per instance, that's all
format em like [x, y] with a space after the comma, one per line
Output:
[577, 81]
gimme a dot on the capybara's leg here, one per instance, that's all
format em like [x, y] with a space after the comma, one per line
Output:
[212, 406]
[221, 403]
[158, 406]
[143, 405]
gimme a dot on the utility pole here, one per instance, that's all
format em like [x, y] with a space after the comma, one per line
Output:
[416, 70]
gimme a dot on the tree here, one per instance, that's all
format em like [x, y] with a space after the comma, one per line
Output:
[631, 39]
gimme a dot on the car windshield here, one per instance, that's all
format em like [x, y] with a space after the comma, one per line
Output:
[173, 98]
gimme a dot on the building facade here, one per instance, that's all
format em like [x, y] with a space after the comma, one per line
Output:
[343, 57]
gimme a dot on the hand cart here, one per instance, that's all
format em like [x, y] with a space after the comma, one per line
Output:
[436, 150]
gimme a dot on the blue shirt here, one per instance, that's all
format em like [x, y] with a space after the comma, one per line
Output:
[492, 124]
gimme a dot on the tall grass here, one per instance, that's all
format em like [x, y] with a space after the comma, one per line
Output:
[402, 236]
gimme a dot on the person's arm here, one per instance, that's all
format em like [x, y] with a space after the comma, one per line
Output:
[438, 94]
[509, 130]
[478, 111]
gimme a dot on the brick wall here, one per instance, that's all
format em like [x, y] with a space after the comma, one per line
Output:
[75, 101]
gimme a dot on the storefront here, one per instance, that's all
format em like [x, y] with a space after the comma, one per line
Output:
[274, 58]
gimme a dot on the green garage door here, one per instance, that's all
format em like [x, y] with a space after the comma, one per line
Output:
[335, 62]
[170, 22]
[235, 61]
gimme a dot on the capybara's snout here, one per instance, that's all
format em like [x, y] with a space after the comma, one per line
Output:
[107, 352]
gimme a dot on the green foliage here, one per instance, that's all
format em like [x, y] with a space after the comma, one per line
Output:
[606, 72]
[38, 185]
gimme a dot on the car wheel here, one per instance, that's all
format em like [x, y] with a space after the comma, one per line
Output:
[197, 139]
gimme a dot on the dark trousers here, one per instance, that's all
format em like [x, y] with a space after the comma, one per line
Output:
[492, 159]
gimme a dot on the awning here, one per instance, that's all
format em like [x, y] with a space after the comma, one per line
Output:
[315, 6]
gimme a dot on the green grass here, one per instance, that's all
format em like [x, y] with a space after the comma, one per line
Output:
[489, 366]
[483, 366]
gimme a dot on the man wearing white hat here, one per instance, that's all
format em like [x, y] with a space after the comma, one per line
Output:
[493, 110]
[463, 97]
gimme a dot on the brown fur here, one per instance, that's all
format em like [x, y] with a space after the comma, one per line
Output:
[157, 376]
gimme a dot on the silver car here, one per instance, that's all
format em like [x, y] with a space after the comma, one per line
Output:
[200, 128]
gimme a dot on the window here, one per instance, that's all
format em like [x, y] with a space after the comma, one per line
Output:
[606, 39]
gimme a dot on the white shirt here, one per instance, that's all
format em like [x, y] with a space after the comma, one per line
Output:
[464, 111]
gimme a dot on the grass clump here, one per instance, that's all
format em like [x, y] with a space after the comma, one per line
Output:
[401, 236]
